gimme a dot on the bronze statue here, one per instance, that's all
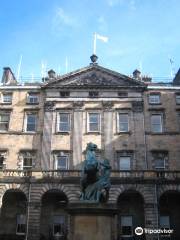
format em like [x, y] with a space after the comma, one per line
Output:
[95, 180]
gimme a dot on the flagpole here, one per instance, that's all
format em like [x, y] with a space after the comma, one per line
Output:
[94, 46]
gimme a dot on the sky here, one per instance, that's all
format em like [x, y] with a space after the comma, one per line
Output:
[142, 34]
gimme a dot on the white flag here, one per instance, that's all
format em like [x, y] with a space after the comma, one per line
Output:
[103, 38]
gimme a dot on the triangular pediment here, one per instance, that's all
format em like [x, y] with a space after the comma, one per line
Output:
[94, 76]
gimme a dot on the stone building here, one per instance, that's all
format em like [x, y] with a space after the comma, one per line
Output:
[44, 130]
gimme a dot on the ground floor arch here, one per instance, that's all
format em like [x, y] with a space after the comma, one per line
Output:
[54, 217]
[13, 215]
[169, 213]
[130, 205]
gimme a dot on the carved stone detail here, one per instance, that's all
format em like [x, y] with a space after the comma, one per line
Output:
[78, 105]
[49, 106]
[108, 105]
[137, 106]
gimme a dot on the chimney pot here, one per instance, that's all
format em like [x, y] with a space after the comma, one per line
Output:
[136, 74]
[51, 73]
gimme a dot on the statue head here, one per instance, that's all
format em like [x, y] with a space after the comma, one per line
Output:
[91, 147]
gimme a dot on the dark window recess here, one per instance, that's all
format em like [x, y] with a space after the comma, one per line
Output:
[177, 98]
[93, 94]
[122, 94]
[1, 161]
[64, 94]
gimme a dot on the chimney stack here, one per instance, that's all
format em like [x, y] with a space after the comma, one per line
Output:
[137, 74]
[8, 77]
[51, 73]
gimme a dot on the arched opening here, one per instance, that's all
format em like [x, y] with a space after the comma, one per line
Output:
[54, 218]
[13, 215]
[130, 214]
[169, 214]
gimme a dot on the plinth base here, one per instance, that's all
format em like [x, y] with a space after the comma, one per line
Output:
[92, 227]
[92, 222]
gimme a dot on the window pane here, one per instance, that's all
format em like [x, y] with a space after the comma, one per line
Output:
[33, 98]
[126, 225]
[93, 127]
[62, 162]
[94, 122]
[126, 230]
[4, 121]
[59, 219]
[64, 117]
[7, 98]
[59, 225]
[1, 161]
[64, 122]
[154, 98]
[159, 163]
[31, 122]
[123, 123]
[64, 127]
[125, 163]
[21, 223]
[164, 221]
[178, 98]
[27, 162]
[94, 117]
[126, 221]
[156, 123]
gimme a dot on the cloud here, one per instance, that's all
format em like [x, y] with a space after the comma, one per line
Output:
[62, 19]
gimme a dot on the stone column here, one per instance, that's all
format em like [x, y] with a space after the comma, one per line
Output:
[77, 135]
[34, 221]
[47, 135]
[151, 219]
[108, 131]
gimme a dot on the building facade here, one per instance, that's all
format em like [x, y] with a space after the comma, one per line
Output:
[44, 130]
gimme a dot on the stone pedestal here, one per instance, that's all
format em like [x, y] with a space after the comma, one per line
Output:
[92, 221]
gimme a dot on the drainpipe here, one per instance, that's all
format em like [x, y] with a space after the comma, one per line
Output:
[27, 212]
[145, 143]
[157, 212]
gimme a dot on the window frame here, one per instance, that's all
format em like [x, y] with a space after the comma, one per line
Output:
[7, 113]
[26, 122]
[152, 97]
[118, 122]
[61, 154]
[58, 122]
[119, 160]
[20, 233]
[98, 122]
[36, 95]
[156, 156]
[27, 154]
[7, 94]
[161, 122]
[53, 225]
[123, 235]
[3, 154]
[161, 216]
[177, 98]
